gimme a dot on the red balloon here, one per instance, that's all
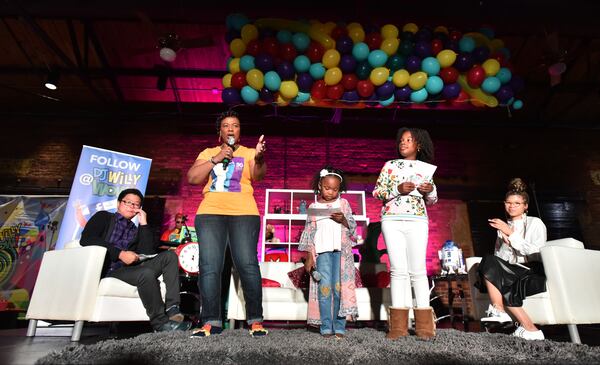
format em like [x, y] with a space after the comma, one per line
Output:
[271, 46]
[253, 48]
[365, 88]
[373, 40]
[338, 32]
[314, 52]
[318, 90]
[238, 80]
[287, 51]
[437, 46]
[335, 91]
[349, 81]
[475, 76]
[455, 35]
[449, 75]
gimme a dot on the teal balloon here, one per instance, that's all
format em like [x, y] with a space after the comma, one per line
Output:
[301, 41]
[316, 71]
[377, 58]
[466, 44]
[249, 95]
[406, 48]
[247, 63]
[272, 81]
[284, 36]
[431, 66]
[395, 63]
[491, 84]
[504, 75]
[363, 70]
[302, 97]
[488, 32]
[518, 104]
[236, 21]
[434, 85]
[360, 51]
[419, 96]
[302, 64]
[387, 101]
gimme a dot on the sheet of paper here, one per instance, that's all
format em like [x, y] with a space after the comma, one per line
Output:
[420, 172]
[325, 212]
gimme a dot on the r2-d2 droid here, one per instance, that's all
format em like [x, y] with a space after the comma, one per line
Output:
[451, 259]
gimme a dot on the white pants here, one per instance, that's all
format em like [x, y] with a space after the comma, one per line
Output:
[406, 243]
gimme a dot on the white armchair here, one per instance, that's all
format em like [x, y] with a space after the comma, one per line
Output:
[69, 288]
[570, 297]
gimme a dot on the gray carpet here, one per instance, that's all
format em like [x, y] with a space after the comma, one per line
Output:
[298, 346]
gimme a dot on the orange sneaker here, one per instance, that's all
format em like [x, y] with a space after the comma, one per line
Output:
[206, 331]
[257, 330]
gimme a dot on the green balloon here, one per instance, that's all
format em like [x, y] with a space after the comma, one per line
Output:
[363, 70]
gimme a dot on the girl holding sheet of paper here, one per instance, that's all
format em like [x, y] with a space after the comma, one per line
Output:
[405, 185]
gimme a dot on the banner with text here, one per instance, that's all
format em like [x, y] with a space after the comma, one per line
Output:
[101, 175]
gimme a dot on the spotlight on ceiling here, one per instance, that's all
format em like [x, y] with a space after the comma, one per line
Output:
[169, 44]
[52, 80]
[167, 54]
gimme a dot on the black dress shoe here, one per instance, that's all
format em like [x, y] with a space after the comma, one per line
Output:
[174, 326]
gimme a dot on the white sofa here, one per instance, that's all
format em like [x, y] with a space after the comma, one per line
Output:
[291, 304]
[571, 297]
[69, 288]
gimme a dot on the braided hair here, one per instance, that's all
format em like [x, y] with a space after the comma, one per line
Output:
[425, 152]
[316, 179]
[518, 187]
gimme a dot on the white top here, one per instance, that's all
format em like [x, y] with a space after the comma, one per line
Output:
[328, 236]
[522, 248]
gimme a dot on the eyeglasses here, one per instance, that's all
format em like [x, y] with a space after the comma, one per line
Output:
[516, 204]
[178, 221]
[131, 204]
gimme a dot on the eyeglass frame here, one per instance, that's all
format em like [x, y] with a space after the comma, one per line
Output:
[131, 204]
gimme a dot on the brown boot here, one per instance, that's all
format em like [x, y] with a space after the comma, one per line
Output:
[397, 323]
[424, 322]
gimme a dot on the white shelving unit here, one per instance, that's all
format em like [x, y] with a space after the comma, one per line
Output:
[282, 211]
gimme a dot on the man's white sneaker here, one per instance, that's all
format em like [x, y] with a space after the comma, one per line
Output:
[528, 335]
[496, 315]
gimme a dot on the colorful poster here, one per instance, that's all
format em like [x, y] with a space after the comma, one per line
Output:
[28, 228]
[101, 175]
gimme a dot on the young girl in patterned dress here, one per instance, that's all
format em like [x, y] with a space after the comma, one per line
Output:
[404, 224]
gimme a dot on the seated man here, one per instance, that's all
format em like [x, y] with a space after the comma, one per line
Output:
[124, 241]
[180, 233]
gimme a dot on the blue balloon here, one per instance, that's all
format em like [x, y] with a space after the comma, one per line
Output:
[385, 90]
[231, 95]
[360, 51]
[504, 75]
[403, 93]
[347, 64]
[286, 70]
[344, 44]
[466, 44]
[302, 97]
[264, 62]
[266, 95]
[249, 95]
[413, 64]
[300, 41]
[301, 63]
[431, 66]
[490, 85]
[247, 63]
[504, 94]
[387, 101]
[350, 97]
[284, 36]
[451, 91]
[481, 53]
[464, 62]
[518, 104]
[423, 49]
[317, 71]
[304, 81]
[434, 85]
[377, 58]
[272, 81]
[236, 21]
[419, 96]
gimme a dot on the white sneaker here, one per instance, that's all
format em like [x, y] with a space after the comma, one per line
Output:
[496, 315]
[528, 335]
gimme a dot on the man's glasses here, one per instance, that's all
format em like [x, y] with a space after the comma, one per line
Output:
[131, 204]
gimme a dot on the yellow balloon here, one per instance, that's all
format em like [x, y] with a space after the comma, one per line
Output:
[491, 67]
[400, 78]
[410, 27]
[234, 65]
[289, 89]
[255, 79]
[328, 27]
[281, 100]
[496, 44]
[237, 47]
[357, 34]
[331, 58]
[390, 45]
[477, 95]
[333, 76]
[379, 75]
[417, 80]
[226, 81]
[389, 31]
[440, 29]
[446, 57]
[353, 25]
[249, 32]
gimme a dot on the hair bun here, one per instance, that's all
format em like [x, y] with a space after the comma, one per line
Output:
[517, 185]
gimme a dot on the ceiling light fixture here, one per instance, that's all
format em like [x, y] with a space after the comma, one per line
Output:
[169, 45]
[52, 80]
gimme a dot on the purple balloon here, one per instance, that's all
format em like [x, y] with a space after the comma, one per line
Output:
[385, 91]
[304, 82]
[347, 64]
[464, 62]
[344, 44]
[504, 94]
[481, 54]
[423, 49]
[451, 91]
[266, 95]
[413, 64]
[372, 100]
[516, 83]
[264, 62]
[403, 93]
[285, 70]
[231, 95]
[350, 96]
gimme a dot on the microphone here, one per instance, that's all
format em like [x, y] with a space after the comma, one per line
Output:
[230, 143]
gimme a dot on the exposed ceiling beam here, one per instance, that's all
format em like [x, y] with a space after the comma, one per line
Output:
[104, 61]
[124, 71]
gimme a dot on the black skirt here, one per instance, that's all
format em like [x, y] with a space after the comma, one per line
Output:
[514, 282]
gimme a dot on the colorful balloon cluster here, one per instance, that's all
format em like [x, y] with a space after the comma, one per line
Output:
[282, 61]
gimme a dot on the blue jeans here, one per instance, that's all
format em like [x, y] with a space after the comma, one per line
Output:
[214, 231]
[328, 265]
